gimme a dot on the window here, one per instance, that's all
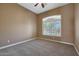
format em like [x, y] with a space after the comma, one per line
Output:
[52, 25]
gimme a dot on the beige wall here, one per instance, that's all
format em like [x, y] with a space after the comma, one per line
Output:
[67, 23]
[16, 24]
[77, 25]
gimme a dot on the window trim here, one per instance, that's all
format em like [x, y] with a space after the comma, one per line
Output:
[60, 28]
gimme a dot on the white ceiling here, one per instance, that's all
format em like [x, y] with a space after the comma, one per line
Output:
[38, 9]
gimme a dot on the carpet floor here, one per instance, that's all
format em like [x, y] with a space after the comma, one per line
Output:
[39, 48]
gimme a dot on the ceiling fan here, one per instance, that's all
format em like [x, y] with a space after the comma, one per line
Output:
[42, 4]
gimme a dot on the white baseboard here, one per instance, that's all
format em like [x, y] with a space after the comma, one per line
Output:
[3, 47]
[16, 43]
[63, 43]
[57, 41]
[76, 49]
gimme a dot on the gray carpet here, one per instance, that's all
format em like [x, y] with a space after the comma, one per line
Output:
[39, 48]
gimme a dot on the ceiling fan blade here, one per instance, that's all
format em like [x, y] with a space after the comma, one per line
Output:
[42, 5]
[36, 4]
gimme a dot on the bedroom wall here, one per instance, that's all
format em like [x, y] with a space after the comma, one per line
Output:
[76, 14]
[67, 23]
[16, 24]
